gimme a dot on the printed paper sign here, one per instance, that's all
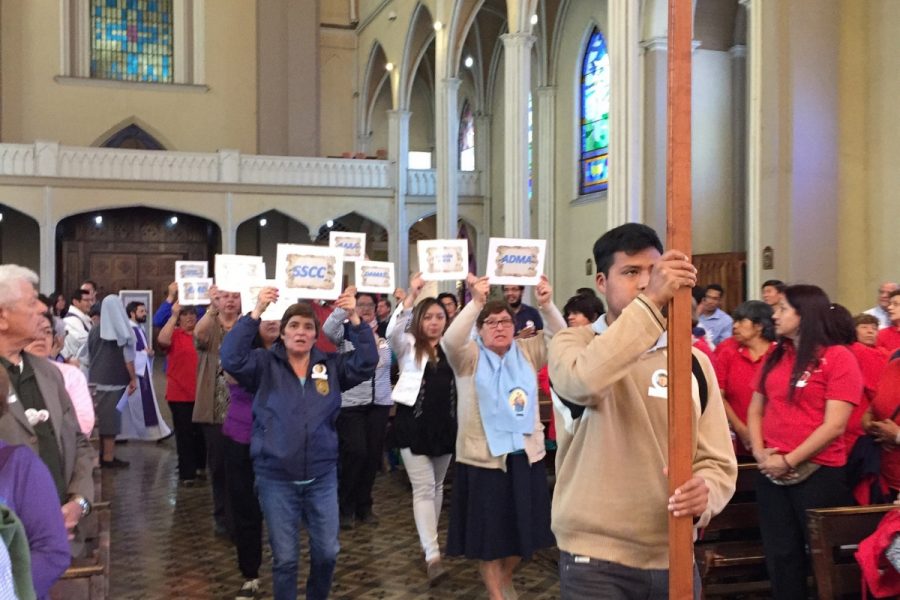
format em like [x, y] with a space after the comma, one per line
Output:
[234, 272]
[375, 277]
[515, 262]
[275, 310]
[353, 244]
[191, 269]
[309, 271]
[194, 291]
[443, 260]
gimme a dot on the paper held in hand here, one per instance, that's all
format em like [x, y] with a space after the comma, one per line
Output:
[191, 269]
[353, 244]
[194, 292]
[375, 277]
[443, 260]
[515, 261]
[234, 272]
[309, 271]
[274, 311]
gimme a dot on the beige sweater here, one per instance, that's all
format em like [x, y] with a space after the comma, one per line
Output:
[611, 496]
[462, 354]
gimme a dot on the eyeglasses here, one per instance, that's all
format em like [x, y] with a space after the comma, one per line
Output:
[497, 323]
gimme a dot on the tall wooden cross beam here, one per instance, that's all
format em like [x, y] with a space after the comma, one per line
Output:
[678, 236]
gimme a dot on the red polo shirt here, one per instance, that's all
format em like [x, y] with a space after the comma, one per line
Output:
[889, 339]
[737, 373]
[181, 368]
[871, 364]
[886, 401]
[788, 421]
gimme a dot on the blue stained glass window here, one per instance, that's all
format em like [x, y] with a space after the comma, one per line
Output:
[594, 161]
[132, 40]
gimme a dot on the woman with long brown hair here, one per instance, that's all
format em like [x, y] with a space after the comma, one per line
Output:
[425, 422]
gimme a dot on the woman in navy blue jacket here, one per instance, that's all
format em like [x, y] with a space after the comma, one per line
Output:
[294, 443]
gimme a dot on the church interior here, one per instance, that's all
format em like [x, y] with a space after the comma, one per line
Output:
[230, 126]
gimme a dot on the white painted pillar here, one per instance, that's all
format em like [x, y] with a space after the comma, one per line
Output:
[47, 245]
[446, 147]
[754, 144]
[483, 166]
[655, 64]
[545, 140]
[398, 156]
[739, 148]
[517, 86]
[624, 195]
[229, 232]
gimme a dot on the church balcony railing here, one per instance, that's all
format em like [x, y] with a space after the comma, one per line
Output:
[51, 159]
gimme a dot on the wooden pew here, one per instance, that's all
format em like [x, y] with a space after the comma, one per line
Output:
[729, 555]
[834, 535]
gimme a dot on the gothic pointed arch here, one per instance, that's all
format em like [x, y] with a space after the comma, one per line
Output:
[594, 96]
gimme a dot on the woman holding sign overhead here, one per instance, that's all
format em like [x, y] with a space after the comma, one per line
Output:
[293, 443]
[425, 423]
[500, 511]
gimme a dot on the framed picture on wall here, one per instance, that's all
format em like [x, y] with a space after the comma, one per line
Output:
[145, 297]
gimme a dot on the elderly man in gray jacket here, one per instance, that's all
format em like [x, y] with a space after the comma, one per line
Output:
[40, 413]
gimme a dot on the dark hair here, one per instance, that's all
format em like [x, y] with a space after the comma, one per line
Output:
[453, 297]
[54, 297]
[775, 283]
[840, 327]
[865, 319]
[370, 295]
[813, 307]
[95, 310]
[4, 391]
[300, 309]
[521, 287]
[93, 284]
[586, 291]
[186, 310]
[79, 294]
[894, 293]
[492, 308]
[697, 293]
[629, 238]
[590, 306]
[716, 287]
[384, 299]
[422, 345]
[758, 313]
[132, 307]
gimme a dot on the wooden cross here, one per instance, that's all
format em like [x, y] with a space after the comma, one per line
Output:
[678, 236]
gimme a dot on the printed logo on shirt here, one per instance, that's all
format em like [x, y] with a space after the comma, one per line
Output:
[659, 384]
[805, 377]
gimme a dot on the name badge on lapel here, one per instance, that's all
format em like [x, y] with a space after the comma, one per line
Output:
[320, 376]
[659, 384]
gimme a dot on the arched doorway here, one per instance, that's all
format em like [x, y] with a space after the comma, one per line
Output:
[260, 236]
[19, 234]
[376, 235]
[130, 248]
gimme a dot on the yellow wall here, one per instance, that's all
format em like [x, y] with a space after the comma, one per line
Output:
[34, 106]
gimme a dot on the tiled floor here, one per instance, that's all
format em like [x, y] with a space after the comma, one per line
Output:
[163, 545]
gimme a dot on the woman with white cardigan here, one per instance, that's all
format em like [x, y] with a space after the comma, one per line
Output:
[425, 421]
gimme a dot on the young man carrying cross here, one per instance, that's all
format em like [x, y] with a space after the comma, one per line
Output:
[610, 502]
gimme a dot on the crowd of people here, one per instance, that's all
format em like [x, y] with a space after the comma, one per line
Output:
[289, 418]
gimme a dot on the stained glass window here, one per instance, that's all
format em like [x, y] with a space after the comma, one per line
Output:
[594, 163]
[132, 40]
[467, 139]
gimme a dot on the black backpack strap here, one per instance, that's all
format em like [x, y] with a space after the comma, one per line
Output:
[702, 385]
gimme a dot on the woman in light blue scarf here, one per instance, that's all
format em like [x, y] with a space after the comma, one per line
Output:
[500, 512]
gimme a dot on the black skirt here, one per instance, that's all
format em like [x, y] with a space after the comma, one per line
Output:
[494, 514]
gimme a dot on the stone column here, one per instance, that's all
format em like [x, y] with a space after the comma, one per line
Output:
[48, 245]
[517, 86]
[446, 149]
[398, 156]
[655, 63]
[754, 144]
[483, 166]
[545, 140]
[739, 148]
[624, 195]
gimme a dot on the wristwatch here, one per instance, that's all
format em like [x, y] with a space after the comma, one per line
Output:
[82, 502]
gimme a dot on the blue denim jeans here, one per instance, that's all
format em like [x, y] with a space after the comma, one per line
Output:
[286, 506]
